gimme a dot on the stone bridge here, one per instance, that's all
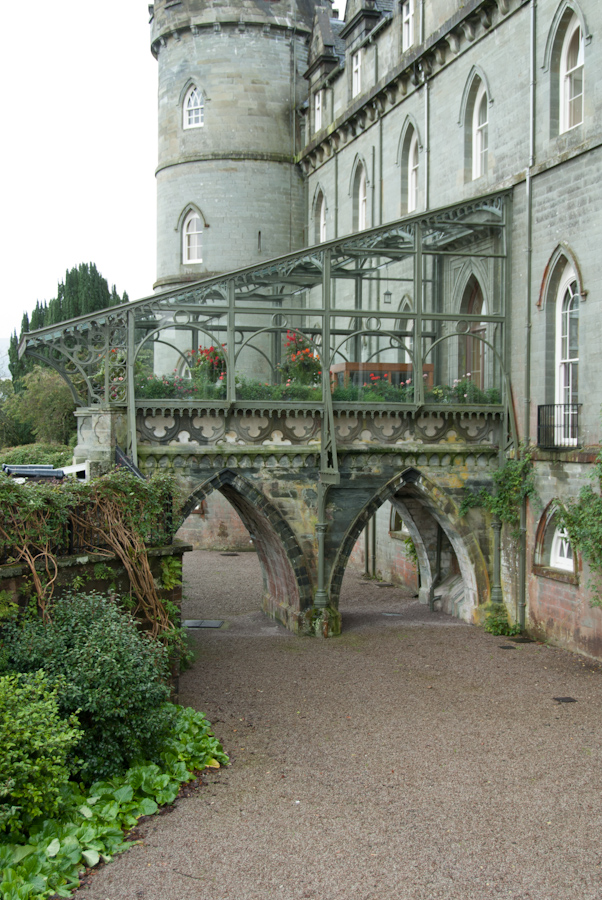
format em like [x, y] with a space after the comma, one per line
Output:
[311, 389]
[304, 523]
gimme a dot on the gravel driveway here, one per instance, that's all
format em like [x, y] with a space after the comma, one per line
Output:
[412, 758]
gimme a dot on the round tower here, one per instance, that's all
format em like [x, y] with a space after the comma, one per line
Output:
[230, 76]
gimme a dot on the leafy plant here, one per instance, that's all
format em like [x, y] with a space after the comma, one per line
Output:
[582, 519]
[171, 573]
[462, 391]
[411, 550]
[35, 744]
[497, 623]
[301, 365]
[92, 822]
[113, 676]
[513, 483]
[8, 606]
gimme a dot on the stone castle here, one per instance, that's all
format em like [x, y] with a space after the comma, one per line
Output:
[282, 126]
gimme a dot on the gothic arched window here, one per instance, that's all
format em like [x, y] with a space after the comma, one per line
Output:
[567, 357]
[475, 120]
[320, 218]
[360, 199]
[192, 238]
[194, 108]
[571, 76]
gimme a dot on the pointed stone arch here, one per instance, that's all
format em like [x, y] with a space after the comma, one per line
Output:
[476, 72]
[286, 584]
[564, 11]
[412, 483]
[190, 208]
[359, 160]
[562, 255]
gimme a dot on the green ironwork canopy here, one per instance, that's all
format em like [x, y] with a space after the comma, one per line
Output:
[399, 317]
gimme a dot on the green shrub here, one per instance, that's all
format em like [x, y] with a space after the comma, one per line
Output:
[113, 676]
[35, 743]
[497, 623]
[56, 455]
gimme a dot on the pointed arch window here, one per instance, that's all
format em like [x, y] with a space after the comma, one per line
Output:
[192, 238]
[571, 76]
[194, 108]
[567, 357]
[360, 199]
[320, 219]
[480, 132]
[413, 173]
[473, 355]
[554, 556]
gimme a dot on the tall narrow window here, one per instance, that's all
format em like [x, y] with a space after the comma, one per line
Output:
[407, 24]
[362, 199]
[192, 239]
[194, 108]
[356, 73]
[571, 77]
[413, 173]
[317, 110]
[472, 361]
[480, 133]
[320, 219]
[567, 357]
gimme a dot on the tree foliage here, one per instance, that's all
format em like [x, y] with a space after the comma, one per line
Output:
[83, 291]
[43, 408]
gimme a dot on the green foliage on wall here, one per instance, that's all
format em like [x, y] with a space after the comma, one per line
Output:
[582, 518]
[513, 483]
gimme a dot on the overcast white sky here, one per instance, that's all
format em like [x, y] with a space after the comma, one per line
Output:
[78, 150]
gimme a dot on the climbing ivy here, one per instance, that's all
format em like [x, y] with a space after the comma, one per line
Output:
[582, 519]
[514, 482]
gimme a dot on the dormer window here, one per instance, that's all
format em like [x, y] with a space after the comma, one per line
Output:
[407, 24]
[194, 108]
[356, 73]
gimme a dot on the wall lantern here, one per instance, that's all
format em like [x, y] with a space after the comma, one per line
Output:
[387, 296]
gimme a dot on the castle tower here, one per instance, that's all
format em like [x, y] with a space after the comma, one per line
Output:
[230, 76]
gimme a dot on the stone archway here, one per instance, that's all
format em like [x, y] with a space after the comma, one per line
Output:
[409, 488]
[286, 584]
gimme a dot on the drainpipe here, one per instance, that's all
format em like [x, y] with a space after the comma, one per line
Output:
[373, 549]
[522, 600]
[426, 143]
[367, 549]
[131, 390]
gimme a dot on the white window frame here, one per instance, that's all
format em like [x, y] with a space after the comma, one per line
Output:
[193, 109]
[407, 25]
[561, 552]
[413, 173]
[567, 365]
[317, 111]
[356, 73]
[570, 77]
[480, 133]
[192, 239]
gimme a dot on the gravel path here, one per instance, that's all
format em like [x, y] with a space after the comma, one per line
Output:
[410, 759]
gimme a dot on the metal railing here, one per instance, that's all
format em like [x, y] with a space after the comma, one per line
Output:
[558, 426]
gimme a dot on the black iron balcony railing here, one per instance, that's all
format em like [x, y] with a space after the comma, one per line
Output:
[558, 426]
